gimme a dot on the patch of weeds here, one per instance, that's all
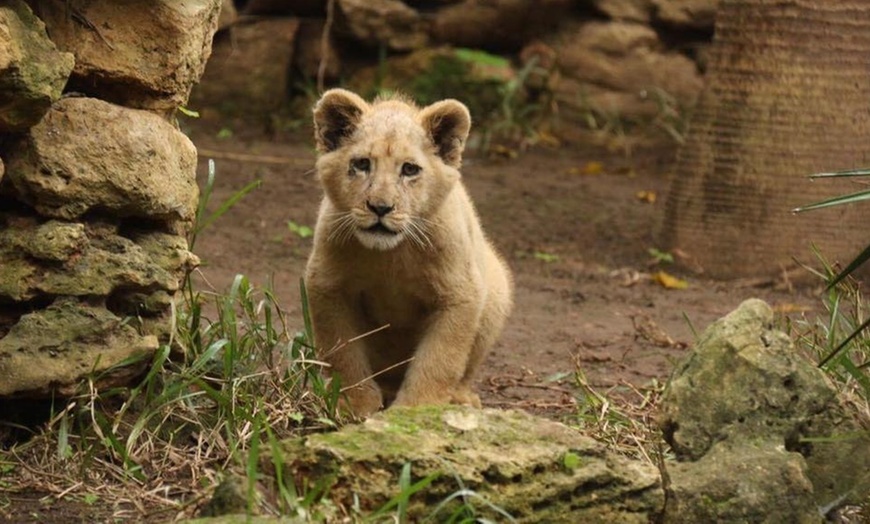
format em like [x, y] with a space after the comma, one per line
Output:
[622, 417]
[842, 339]
[839, 339]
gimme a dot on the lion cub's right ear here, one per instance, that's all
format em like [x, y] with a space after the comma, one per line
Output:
[336, 116]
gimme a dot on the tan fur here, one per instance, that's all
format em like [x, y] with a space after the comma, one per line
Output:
[431, 275]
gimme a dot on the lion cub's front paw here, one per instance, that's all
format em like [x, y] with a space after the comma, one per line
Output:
[461, 395]
[361, 401]
[465, 397]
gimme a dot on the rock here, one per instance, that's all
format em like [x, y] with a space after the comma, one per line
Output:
[388, 22]
[53, 241]
[247, 75]
[230, 497]
[309, 51]
[745, 386]
[87, 155]
[111, 61]
[503, 25]
[302, 8]
[626, 10]
[228, 15]
[762, 483]
[32, 71]
[616, 67]
[47, 352]
[693, 14]
[535, 469]
[138, 275]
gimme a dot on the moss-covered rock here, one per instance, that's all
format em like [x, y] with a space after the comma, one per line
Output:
[32, 71]
[49, 351]
[535, 469]
[139, 274]
[745, 385]
[760, 483]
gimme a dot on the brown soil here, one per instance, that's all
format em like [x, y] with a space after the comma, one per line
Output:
[577, 239]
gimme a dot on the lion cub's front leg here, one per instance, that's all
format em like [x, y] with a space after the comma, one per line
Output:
[441, 361]
[334, 327]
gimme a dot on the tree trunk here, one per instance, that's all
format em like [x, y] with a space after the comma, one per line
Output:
[787, 94]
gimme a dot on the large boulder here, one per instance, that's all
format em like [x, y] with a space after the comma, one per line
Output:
[692, 14]
[32, 71]
[89, 155]
[501, 25]
[618, 67]
[49, 351]
[248, 73]
[534, 469]
[387, 22]
[111, 61]
[747, 395]
[626, 10]
[309, 51]
[745, 483]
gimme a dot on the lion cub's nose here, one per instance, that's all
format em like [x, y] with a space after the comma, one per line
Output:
[379, 209]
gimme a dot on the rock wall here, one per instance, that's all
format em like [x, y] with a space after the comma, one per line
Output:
[97, 184]
[613, 57]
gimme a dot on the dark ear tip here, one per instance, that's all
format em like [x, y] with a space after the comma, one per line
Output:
[336, 113]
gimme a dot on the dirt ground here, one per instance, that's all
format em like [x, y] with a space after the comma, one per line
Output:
[576, 224]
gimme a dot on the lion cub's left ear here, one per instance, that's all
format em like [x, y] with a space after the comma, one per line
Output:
[447, 123]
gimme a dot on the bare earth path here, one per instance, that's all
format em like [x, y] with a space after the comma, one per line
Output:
[577, 239]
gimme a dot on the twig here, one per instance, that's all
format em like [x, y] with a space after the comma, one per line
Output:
[246, 157]
[324, 45]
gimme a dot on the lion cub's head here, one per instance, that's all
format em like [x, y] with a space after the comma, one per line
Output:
[386, 167]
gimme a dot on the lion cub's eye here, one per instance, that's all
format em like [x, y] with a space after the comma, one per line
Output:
[361, 164]
[409, 169]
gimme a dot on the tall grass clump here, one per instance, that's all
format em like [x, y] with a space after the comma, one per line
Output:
[841, 339]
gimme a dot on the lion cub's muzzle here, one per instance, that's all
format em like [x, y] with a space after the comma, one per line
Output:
[381, 211]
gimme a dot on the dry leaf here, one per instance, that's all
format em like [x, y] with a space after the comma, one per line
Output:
[669, 281]
[647, 196]
[590, 168]
[593, 168]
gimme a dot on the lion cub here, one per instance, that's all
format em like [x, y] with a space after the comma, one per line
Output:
[399, 244]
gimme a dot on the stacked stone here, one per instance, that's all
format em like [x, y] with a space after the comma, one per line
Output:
[617, 56]
[99, 187]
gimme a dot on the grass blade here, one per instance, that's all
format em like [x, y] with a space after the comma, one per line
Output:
[839, 349]
[855, 264]
[846, 173]
[226, 206]
[859, 196]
